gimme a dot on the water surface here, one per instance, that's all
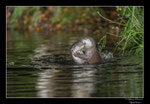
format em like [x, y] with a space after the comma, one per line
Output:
[39, 65]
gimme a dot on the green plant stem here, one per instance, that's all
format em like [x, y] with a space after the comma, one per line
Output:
[109, 19]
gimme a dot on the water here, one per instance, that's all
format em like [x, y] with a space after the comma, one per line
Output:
[39, 65]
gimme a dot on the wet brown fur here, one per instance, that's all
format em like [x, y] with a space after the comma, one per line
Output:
[95, 58]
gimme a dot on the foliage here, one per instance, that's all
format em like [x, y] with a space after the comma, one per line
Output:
[58, 17]
[133, 30]
[18, 12]
[131, 38]
[66, 15]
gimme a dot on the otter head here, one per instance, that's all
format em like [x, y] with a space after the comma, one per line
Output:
[88, 42]
[76, 48]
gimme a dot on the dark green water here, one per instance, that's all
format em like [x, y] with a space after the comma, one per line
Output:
[39, 65]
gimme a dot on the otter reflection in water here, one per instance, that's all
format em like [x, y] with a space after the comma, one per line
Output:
[85, 51]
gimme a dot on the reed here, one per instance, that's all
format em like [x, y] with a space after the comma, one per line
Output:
[132, 36]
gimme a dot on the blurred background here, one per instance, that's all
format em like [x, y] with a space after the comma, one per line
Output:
[115, 23]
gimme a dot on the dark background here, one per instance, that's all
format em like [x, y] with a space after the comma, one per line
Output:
[4, 3]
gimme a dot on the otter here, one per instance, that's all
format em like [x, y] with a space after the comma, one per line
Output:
[84, 51]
